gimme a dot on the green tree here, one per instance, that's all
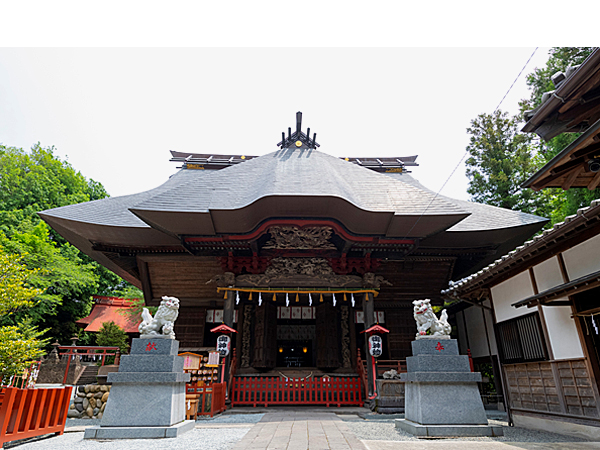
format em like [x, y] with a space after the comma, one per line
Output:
[500, 159]
[30, 182]
[559, 203]
[112, 335]
[19, 344]
[14, 292]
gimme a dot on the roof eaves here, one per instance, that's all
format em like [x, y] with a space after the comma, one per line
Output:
[566, 88]
[595, 128]
[521, 253]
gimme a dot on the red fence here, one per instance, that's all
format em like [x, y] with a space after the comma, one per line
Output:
[276, 391]
[27, 413]
[211, 399]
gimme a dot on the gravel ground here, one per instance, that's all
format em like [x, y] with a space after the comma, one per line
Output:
[231, 418]
[211, 438]
[384, 430]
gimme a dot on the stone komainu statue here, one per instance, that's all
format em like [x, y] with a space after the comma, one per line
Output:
[161, 325]
[427, 322]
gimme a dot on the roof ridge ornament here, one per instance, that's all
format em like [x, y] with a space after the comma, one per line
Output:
[298, 137]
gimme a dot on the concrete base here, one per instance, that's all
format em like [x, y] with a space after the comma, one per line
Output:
[139, 432]
[577, 430]
[438, 431]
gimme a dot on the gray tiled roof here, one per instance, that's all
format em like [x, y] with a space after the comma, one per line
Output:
[293, 172]
[114, 211]
[455, 286]
[483, 217]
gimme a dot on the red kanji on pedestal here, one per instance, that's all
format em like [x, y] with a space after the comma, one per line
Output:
[439, 347]
[150, 346]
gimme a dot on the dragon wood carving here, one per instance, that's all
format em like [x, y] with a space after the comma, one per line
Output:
[282, 269]
[305, 238]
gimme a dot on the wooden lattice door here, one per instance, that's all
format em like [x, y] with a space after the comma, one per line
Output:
[328, 337]
[265, 336]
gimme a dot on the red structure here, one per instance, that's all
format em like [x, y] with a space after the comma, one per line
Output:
[267, 391]
[111, 309]
[26, 413]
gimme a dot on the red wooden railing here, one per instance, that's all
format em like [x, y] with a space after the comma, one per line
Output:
[276, 391]
[26, 413]
[90, 351]
[211, 399]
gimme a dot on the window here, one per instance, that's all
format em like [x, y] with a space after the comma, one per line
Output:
[521, 340]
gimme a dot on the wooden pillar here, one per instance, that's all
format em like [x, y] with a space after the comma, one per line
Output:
[228, 310]
[369, 311]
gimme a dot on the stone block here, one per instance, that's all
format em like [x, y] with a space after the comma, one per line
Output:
[448, 430]
[150, 347]
[139, 432]
[444, 403]
[157, 363]
[438, 363]
[145, 404]
[441, 377]
[148, 377]
[434, 347]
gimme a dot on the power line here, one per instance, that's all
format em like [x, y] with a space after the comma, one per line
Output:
[513, 83]
[466, 151]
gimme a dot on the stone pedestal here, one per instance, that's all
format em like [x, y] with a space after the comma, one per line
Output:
[441, 394]
[390, 397]
[147, 397]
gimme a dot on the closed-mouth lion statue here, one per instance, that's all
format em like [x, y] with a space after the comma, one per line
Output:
[161, 325]
[427, 321]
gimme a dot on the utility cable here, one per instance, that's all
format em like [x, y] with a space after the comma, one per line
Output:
[466, 151]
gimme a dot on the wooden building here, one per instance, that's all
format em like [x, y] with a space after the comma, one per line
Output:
[536, 309]
[296, 249]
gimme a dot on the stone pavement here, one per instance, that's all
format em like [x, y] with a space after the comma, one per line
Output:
[300, 430]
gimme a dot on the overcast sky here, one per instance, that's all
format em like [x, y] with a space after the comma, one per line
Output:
[115, 113]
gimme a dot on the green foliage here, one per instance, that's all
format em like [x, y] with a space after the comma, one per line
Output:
[31, 182]
[14, 277]
[111, 335]
[38, 180]
[540, 80]
[500, 160]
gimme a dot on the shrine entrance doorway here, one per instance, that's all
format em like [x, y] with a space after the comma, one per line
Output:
[296, 337]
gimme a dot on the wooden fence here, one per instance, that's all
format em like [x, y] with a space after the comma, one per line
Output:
[562, 387]
[209, 400]
[280, 391]
[26, 413]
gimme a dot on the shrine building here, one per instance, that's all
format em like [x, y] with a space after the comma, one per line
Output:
[297, 250]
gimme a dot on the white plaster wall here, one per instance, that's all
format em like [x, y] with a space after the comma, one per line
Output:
[583, 258]
[510, 291]
[562, 332]
[548, 274]
[476, 330]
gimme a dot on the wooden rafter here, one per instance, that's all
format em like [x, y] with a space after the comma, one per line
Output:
[572, 177]
[594, 183]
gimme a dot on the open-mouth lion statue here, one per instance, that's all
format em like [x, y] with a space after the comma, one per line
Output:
[161, 325]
